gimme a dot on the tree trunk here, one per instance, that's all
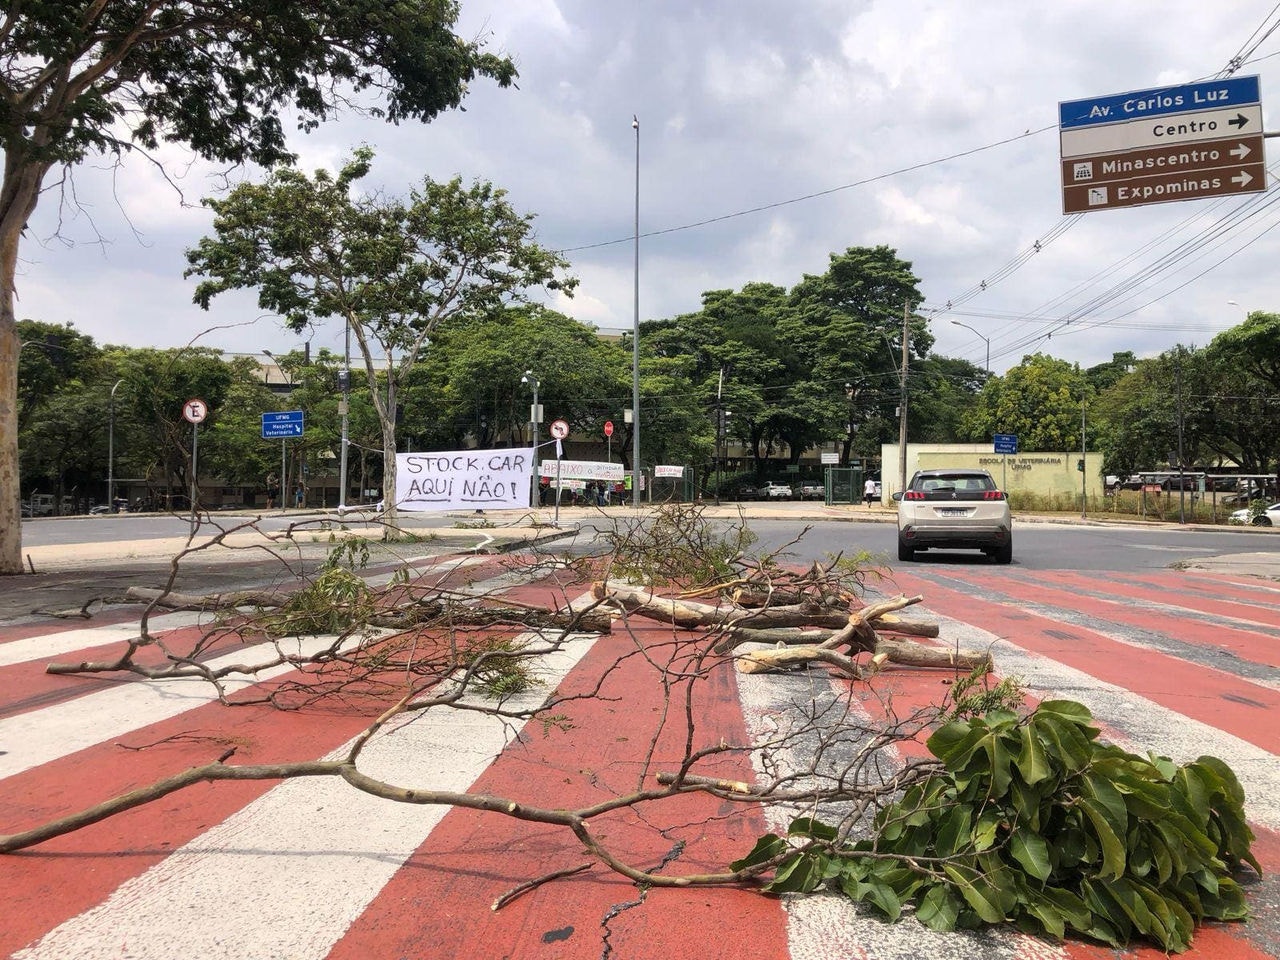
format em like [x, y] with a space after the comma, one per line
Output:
[18, 195]
[386, 410]
[906, 653]
[389, 453]
[765, 661]
[688, 614]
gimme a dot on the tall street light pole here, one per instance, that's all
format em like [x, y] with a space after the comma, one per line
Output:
[111, 449]
[535, 415]
[986, 340]
[635, 339]
[902, 390]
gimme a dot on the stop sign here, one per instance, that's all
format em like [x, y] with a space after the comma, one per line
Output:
[608, 428]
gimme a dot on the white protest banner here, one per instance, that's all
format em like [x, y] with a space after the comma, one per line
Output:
[464, 480]
[581, 469]
[668, 470]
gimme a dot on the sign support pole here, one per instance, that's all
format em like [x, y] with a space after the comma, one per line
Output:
[193, 411]
[284, 477]
[195, 460]
[559, 486]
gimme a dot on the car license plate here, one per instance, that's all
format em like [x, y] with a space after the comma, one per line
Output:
[952, 512]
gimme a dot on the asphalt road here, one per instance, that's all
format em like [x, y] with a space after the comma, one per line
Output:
[1037, 545]
[1180, 663]
[101, 557]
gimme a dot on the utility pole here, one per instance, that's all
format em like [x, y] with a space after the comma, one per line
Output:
[902, 401]
[1084, 467]
[719, 432]
[1182, 485]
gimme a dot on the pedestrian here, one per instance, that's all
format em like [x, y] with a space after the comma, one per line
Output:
[273, 489]
[869, 492]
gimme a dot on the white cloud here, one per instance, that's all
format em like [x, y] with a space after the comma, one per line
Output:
[742, 107]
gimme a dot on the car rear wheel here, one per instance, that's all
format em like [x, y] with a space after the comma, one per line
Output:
[1262, 520]
[905, 550]
[1003, 554]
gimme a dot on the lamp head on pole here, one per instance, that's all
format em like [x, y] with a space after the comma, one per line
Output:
[635, 122]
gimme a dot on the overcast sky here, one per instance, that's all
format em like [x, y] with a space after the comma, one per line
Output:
[798, 130]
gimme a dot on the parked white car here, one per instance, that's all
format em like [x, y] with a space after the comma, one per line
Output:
[776, 491]
[1270, 517]
[961, 509]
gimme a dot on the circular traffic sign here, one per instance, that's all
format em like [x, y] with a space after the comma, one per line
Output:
[608, 428]
[559, 429]
[195, 410]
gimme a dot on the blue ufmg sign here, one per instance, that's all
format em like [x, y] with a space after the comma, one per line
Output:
[1005, 442]
[282, 424]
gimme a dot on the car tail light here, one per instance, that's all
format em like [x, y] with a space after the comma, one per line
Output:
[913, 495]
[993, 495]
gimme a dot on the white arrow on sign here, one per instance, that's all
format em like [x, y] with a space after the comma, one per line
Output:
[1242, 178]
[1240, 151]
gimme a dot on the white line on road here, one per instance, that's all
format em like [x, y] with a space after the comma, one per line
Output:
[287, 875]
[65, 641]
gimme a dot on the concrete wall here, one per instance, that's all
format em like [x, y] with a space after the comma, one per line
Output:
[1044, 473]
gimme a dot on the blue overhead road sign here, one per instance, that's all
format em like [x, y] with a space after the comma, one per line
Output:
[1159, 101]
[281, 424]
[1167, 143]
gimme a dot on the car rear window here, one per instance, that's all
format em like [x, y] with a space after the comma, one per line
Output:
[957, 483]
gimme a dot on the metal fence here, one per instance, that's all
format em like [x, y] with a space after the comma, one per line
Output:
[680, 489]
[844, 484]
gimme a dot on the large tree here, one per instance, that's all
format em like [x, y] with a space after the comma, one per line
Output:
[845, 326]
[393, 270]
[730, 353]
[472, 386]
[1253, 348]
[155, 441]
[99, 77]
[1038, 400]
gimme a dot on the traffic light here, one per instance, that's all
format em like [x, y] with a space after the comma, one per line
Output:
[1080, 465]
[344, 380]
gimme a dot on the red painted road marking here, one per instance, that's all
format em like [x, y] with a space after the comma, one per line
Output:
[481, 854]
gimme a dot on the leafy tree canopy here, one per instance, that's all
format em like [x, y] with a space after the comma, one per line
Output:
[85, 76]
[470, 384]
[394, 270]
[50, 356]
[1255, 345]
[79, 77]
[1039, 400]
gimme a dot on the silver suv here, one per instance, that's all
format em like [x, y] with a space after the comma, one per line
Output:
[954, 508]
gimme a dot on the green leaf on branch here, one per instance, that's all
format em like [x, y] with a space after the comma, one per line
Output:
[1087, 838]
[767, 848]
[1032, 852]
